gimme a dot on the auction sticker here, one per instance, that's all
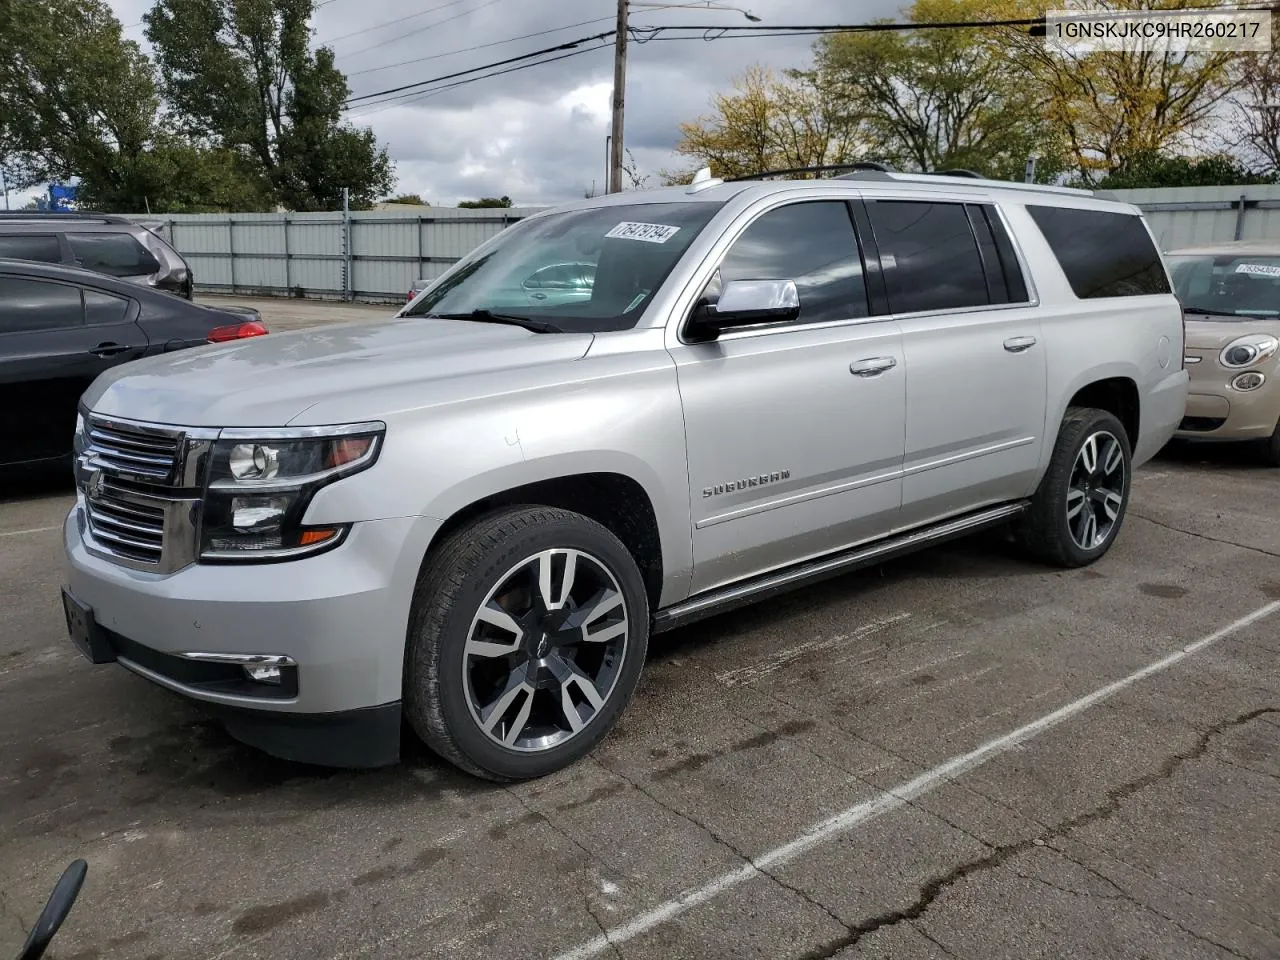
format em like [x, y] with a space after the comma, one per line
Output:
[1260, 269]
[648, 232]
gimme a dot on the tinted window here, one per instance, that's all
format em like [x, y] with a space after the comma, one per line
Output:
[31, 247]
[812, 244]
[930, 257]
[103, 307]
[27, 305]
[115, 254]
[1103, 254]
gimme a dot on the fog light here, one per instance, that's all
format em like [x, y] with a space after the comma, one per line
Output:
[263, 673]
[1248, 381]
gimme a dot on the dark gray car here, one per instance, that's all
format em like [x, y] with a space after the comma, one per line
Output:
[60, 327]
[104, 243]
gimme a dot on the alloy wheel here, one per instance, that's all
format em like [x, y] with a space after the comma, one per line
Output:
[545, 649]
[1096, 491]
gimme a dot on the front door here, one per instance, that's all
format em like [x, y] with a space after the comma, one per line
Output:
[49, 356]
[794, 431]
[976, 392]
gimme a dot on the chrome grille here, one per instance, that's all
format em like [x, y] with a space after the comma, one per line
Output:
[146, 453]
[140, 486]
[127, 523]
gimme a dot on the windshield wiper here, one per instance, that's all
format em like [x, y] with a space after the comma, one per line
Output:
[488, 316]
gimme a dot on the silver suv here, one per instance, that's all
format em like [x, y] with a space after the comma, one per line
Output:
[474, 515]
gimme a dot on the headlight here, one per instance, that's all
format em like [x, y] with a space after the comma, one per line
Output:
[262, 481]
[1246, 351]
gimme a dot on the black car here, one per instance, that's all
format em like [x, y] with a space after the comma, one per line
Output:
[61, 326]
[101, 242]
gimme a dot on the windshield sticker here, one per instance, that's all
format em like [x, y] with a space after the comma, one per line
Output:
[1259, 269]
[648, 232]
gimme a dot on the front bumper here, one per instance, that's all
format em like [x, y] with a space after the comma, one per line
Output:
[340, 616]
[1216, 411]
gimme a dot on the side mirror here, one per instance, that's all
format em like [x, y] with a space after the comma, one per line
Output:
[55, 911]
[745, 303]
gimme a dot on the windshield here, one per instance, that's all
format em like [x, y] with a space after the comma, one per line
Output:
[1229, 285]
[582, 271]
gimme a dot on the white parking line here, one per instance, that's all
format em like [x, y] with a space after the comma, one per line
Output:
[18, 533]
[893, 799]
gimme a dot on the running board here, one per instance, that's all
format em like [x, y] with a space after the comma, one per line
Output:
[789, 578]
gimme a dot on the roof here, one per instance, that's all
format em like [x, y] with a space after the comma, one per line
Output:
[1263, 248]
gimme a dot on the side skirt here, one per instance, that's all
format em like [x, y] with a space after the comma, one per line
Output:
[740, 594]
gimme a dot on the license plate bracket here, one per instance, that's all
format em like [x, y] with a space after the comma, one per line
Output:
[85, 632]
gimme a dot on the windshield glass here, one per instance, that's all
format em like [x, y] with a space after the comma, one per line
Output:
[1229, 285]
[582, 271]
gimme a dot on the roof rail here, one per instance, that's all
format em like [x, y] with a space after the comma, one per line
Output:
[37, 216]
[868, 165]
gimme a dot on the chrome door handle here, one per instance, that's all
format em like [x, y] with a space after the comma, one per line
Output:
[1019, 344]
[872, 367]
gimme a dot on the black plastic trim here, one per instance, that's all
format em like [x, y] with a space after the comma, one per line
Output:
[364, 738]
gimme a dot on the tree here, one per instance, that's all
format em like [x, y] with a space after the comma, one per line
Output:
[1255, 99]
[938, 99]
[1111, 107]
[241, 76]
[485, 203]
[770, 122]
[411, 199]
[1155, 169]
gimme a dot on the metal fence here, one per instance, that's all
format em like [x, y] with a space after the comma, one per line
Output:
[372, 256]
[1186, 216]
[377, 255]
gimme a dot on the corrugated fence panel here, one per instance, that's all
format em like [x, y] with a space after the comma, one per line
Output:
[1190, 216]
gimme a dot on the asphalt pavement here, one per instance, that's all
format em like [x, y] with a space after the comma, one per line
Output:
[956, 755]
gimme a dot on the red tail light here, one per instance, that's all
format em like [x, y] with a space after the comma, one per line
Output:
[238, 331]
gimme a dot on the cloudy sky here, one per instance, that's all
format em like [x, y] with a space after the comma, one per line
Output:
[536, 135]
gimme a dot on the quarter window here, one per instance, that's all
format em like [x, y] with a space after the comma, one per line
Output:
[41, 247]
[929, 254]
[811, 243]
[115, 254]
[102, 307]
[1103, 254]
[33, 305]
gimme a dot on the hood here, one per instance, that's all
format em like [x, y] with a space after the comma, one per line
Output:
[271, 380]
[1211, 334]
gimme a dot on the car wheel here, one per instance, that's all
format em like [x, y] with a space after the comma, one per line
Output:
[1077, 510]
[526, 640]
[1271, 449]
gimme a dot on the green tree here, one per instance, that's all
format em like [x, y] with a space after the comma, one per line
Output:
[943, 98]
[1155, 169]
[412, 199]
[241, 76]
[485, 203]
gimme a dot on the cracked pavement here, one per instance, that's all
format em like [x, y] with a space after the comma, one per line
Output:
[1143, 826]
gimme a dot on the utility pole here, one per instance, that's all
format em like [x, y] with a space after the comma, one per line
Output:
[619, 99]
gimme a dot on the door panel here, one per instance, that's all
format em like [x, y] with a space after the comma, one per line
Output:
[976, 367]
[790, 454]
[47, 361]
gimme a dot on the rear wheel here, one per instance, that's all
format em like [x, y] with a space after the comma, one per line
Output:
[1079, 507]
[528, 634]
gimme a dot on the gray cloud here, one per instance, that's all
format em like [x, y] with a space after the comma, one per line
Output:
[538, 135]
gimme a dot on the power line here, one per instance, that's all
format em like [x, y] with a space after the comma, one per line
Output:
[482, 46]
[416, 30]
[488, 66]
[405, 99]
[388, 23]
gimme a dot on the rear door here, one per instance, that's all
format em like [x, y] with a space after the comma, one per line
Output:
[974, 353]
[41, 247]
[55, 338]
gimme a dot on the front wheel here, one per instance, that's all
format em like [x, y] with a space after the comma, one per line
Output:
[526, 641]
[1078, 509]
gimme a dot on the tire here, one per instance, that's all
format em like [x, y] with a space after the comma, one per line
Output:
[534, 641]
[1270, 449]
[1055, 531]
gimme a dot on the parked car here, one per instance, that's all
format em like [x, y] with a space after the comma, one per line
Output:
[105, 243]
[60, 327]
[1231, 295]
[474, 515]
